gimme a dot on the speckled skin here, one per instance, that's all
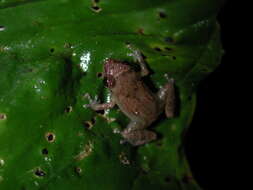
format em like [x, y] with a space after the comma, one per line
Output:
[135, 100]
[129, 92]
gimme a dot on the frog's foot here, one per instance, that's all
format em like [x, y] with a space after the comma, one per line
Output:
[138, 57]
[139, 137]
[96, 105]
[92, 102]
[166, 95]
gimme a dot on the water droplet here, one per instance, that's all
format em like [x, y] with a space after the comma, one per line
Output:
[85, 61]
[1, 162]
[116, 131]
[36, 183]
[42, 82]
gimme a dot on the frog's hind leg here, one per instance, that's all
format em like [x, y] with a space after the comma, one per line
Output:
[166, 96]
[139, 137]
[136, 135]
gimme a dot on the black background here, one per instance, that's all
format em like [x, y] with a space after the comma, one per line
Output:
[208, 141]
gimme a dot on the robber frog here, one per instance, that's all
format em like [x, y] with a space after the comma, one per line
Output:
[135, 99]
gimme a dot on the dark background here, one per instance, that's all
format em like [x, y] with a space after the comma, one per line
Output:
[208, 141]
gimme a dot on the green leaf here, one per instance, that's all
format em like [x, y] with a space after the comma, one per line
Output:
[52, 53]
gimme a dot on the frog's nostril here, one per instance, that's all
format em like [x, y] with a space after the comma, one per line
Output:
[99, 75]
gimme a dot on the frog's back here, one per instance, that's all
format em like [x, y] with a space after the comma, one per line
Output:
[134, 98]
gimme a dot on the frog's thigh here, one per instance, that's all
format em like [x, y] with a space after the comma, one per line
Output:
[166, 96]
[139, 137]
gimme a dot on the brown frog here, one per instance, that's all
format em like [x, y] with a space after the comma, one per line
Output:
[135, 99]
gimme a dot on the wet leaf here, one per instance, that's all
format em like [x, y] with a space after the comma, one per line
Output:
[52, 53]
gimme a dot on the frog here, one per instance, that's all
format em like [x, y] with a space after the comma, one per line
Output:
[135, 99]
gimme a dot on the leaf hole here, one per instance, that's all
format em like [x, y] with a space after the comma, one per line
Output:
[162, 14]
[88, 125]
[174, 57]
[2, 28]
[52, 50]
[39, 172]
[44, 151]
[3, 116]
[50, 137]
[78, 170]
[167, 179]
[96, 8]
[69, 109]
[140, 31]
[158, 49]
[99, 75]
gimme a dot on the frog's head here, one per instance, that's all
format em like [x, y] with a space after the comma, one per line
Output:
[113, 69]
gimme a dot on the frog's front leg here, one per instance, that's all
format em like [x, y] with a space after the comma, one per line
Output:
[166, 96]
[96, 105]
[136, 134]
[139, 58]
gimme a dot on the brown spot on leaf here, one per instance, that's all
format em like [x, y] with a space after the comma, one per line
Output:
[3, 116]
[162, 14]
[87, 150]
[95, 7]
[50, 137]
[39, 172]
[69, 109]
[140, 31]
[78, 170]
[123, 158]
[88, 124]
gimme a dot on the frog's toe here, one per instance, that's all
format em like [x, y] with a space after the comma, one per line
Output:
[86, 105]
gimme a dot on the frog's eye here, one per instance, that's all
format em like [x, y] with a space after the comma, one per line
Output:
[110, 81]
